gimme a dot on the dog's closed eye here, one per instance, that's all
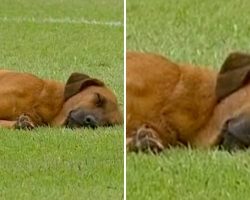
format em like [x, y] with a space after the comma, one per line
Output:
[99, 100]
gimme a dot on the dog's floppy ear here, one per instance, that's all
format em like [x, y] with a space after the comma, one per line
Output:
[77, 82]
[234, 73]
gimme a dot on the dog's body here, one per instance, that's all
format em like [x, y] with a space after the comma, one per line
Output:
[47, 102]
[171, 104]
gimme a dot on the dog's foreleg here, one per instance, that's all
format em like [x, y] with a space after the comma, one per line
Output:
[7, 124]
[144, 139]
[22, 122]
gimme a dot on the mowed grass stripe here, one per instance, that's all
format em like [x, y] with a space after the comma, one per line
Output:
[60, 21]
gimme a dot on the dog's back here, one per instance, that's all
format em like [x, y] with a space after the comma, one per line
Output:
[26, 93]
[174, 99]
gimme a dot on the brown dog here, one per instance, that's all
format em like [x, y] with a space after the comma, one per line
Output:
[28, 101]
[169, 104]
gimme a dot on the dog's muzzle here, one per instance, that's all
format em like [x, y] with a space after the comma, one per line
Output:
[236, 133]
[78, 118]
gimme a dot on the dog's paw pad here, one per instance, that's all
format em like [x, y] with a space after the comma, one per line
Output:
[24, 122]
[145, 139]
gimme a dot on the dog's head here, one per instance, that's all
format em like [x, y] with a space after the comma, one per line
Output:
[233, 76]
[89, 103]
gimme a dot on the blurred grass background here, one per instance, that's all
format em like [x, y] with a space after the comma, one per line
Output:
[201, 33]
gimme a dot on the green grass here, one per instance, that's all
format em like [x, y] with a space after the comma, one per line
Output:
[61, 164]
[199, 32]
[58, 163]
[202, 33]
[182, 174]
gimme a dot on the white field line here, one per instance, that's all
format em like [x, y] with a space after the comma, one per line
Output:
[67, 20]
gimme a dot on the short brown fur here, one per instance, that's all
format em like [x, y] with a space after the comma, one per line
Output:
[182, 103]
[49, 102]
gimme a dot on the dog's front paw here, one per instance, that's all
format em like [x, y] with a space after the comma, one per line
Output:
[145, 139]
[24, 122]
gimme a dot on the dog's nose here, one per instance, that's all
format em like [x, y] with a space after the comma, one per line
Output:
[79, 118]
[90, 120]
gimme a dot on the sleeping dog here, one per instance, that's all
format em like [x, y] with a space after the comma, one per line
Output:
[28, 101]
[171, 104]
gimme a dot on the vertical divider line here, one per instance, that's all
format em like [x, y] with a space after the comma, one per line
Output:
[124, 100]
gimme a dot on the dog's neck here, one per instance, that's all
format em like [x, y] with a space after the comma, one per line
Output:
[54, 95]
[231, 106]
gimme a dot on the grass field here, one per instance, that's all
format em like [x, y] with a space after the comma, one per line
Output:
[53, 39]
[198, 32]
